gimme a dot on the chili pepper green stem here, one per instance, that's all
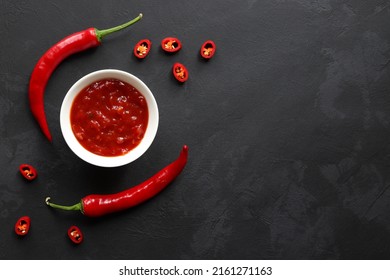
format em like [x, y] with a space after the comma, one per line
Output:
[102, 33]
[76, 207]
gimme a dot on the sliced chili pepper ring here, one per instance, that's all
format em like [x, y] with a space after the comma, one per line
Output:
[142, 48]
[28, 171]
[75, 234]
[22, 226]
[180, 72]
[171, 44]
[207, 50]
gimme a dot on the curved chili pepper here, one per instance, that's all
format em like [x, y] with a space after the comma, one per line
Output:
[171, 44]
[28, 171]
[142, 48]
[96, 205]
[207, 50]
[22, 226]
[75, 235]
[45, 66]
[180, 72]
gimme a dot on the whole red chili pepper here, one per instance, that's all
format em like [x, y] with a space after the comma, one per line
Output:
[207, 50]
[180, 72]
[28, 171]
[171, 44]
[45, 66]
[96, 205]
[75, 235]
[22, 226]
[142, 48]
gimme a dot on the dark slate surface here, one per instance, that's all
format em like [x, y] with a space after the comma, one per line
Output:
[288, 129]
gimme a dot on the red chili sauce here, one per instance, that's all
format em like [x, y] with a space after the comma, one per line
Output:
[109, 117]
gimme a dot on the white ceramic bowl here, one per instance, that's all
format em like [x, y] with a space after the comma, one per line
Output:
[95, 159]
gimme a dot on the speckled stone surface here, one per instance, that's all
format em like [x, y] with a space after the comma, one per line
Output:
[287, 125]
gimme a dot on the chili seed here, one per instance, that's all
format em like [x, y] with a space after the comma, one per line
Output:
[22, 227]
[142, 49]
[75, 234]
[171, 45]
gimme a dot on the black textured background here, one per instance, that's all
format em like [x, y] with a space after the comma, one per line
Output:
[288, 130]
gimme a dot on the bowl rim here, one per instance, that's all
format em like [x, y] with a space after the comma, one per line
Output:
[99, 160]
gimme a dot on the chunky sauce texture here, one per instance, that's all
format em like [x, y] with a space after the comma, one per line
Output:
[109, 117]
